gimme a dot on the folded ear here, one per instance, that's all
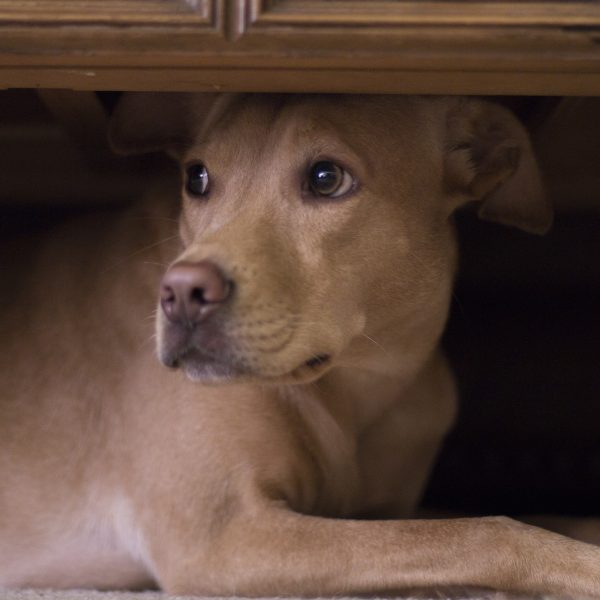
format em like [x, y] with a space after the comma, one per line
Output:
[489, 159]
[158, 121]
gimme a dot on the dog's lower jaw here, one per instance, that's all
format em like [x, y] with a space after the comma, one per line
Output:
[199, 366]
[225, 362]
[211, 372]
[204, 369]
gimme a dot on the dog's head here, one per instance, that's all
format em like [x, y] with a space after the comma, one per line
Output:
[317, 229]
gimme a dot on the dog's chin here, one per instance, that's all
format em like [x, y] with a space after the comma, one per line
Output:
[210, 373]
[200, 367]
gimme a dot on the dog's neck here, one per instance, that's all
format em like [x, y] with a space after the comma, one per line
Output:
[357, 398]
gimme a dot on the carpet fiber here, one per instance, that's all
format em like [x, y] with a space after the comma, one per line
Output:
[93, 595]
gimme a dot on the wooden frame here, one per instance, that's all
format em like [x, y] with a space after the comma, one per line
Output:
[492, 47]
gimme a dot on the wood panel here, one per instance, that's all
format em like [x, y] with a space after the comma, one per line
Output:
[111, 12]
[490, 47]
[89, 33]
[430, 36]
[307, 80]
[399, 12]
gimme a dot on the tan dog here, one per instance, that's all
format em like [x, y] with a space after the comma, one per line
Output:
[313, 279]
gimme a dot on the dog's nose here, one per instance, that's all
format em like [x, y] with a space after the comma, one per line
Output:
[189, 292]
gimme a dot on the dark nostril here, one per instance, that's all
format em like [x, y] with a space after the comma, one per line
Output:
[168, 300]
[197, 295]
[172, 306]
[167, 294]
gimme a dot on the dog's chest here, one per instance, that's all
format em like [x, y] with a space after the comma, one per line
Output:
[91, 549]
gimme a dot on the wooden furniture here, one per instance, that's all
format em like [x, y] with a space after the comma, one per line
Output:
[493, 47]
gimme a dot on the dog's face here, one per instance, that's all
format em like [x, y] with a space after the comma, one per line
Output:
[317, 229]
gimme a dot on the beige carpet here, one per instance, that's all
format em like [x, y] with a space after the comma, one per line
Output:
[92, 595]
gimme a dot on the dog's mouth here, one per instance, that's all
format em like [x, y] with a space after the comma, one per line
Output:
[312, 368]
[318, 361]
[202, 366]
[207, 354]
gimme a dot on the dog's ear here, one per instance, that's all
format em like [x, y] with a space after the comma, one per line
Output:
[158, 121]
[489, 159]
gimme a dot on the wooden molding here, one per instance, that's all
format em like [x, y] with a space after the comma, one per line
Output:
[492, 47]
[400, 13]
[307, 81]
[109, 12]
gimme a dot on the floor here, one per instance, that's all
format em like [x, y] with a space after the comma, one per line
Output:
[93, 595]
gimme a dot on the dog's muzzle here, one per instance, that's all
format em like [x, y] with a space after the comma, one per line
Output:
[198, 331]
[192, 298]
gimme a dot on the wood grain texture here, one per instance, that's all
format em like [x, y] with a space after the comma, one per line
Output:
[308, 81]
[394, 12]
[114, 12]
[303, 45]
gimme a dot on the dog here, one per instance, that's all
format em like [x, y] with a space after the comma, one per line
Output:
[300, 292]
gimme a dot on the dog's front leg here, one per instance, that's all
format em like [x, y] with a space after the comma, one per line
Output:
[275, 552]
[233, 510]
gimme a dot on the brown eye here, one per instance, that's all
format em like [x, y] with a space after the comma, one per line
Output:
[325, 178]
[196, 182]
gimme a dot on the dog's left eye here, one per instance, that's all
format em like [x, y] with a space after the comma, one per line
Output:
[325, 178]
[196, 183]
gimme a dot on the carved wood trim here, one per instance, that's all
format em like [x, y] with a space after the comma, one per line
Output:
[355, 13]
[303, 45]
[109, 12]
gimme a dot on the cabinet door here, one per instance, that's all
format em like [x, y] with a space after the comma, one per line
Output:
[468, 46]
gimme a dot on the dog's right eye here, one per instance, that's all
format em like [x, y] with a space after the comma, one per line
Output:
[196, 183]
[327, 179]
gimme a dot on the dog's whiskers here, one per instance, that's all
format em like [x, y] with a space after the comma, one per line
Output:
[150, 246]
[157, 264]
[376, 343]
[140, 251]
[151, 340]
